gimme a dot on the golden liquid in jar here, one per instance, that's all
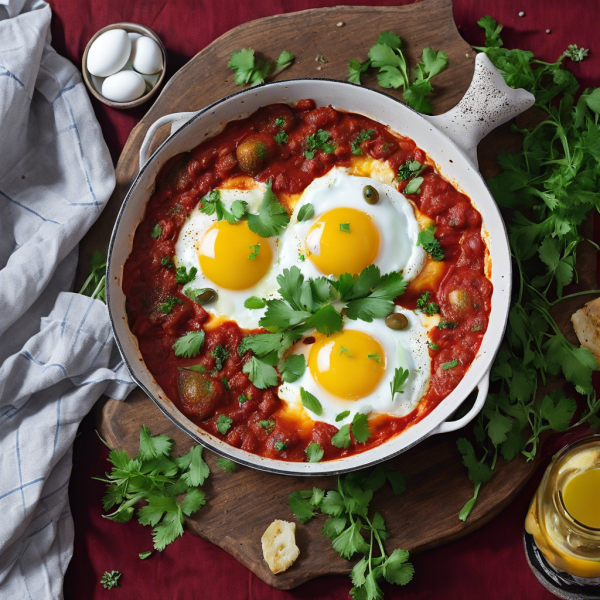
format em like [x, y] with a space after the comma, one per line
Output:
[582, 498]
[564, 516]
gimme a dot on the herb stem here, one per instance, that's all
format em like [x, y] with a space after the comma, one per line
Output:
[574, 295]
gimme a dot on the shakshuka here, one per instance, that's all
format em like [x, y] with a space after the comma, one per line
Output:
[306, 285]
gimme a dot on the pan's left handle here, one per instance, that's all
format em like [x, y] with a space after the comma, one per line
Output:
[482, 392]
[177, 120]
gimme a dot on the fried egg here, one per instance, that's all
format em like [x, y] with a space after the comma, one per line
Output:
[230, 258]
[351, 370]
[346, 234]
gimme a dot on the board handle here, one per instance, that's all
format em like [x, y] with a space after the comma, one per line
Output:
[482, 392]
[177, 120]
[488, 103]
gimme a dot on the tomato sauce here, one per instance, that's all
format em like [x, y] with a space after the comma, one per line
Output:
[460, 287]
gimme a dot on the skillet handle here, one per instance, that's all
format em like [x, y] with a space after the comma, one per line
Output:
[482, 387]
[488, 103]
[177, 120]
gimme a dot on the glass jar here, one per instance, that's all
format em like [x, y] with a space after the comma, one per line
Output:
[564, 516]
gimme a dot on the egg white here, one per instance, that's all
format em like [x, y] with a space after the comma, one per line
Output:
[407, 349]
[393, 216]
[229, 303]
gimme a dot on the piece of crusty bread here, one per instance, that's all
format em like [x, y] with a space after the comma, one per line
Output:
[586, 322]
[279, 545]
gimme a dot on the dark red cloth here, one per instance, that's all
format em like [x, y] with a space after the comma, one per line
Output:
[488, 564]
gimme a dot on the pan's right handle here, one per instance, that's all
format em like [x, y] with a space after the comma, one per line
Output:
[177, 120]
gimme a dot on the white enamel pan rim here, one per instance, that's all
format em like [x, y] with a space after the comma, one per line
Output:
[477, 375]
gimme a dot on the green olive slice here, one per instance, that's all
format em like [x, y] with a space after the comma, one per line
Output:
[396, 321]
[370, 194]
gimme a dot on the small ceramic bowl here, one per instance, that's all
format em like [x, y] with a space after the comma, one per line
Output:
[133, 28]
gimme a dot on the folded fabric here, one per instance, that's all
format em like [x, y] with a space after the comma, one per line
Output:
[56, 350]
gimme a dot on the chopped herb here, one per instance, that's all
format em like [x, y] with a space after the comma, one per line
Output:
[426, 238]
[268, 426]
[574, 53]
[224, 424]
[280, 446]
[413, 186]
[166, 261]
[144, 555]
[450, 365]
[321, 58]
[182, 276]
[156, 231]
[345, 227]
[409, 169]
[375, 357]
[433, 346]
[280, 122]
[225, 382]
[426, 306]
[197, 368]
[110, 580]
[212, 205]
[318, 141]
[477, 327]
[301, 257]
[243, 398]
[363, 136]
[447, 325]
[189, 345]
[346, 352]
[281, 138]
[167, 306]
[254, 251]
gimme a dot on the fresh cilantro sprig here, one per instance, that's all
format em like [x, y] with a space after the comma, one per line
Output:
[272, 217]
[574, 53]
[189, 345]
[348, 511]
[213, 205]
[157, 479]
[546, 190]
[95, 285]
[387, 56]
[252, 70]
[182, 276]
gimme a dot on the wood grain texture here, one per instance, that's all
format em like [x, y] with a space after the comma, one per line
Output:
[241, 505]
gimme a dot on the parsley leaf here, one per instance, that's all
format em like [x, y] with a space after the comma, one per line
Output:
[450, 365]
[293, 368]
[426, 238]
[272, 218]
[268, 426]
[310, 402]
[306, 212]
[314, 452]
[360, 428]
[220, 354]
[167, 262]
[300, 507]
[426, 306]
[397, 383]
[156, 231]
[574, 53]
[260, 373]
[249, 69]
[213, 205]
[144, 555]
[356, 69]
[281, 138]
[284, 58]
[410, 168]
[342, 438]
[189, 345]
[224, 424]
[254, 302]
[280, 446]
[227, 465]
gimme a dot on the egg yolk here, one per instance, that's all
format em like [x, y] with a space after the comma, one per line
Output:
[581, 497]
[234, 257]
[342, 240]
[349, 364]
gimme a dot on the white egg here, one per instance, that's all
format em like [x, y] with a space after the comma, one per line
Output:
[133, 35]
[124, 86]
[229, 303]
[393, 216]
[146, 56]
[407, 349]
[108, 53]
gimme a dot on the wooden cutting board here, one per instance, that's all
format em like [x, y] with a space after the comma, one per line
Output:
[241, 505]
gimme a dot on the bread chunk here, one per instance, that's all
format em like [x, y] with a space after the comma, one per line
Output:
[586, 322]
[279, 545]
